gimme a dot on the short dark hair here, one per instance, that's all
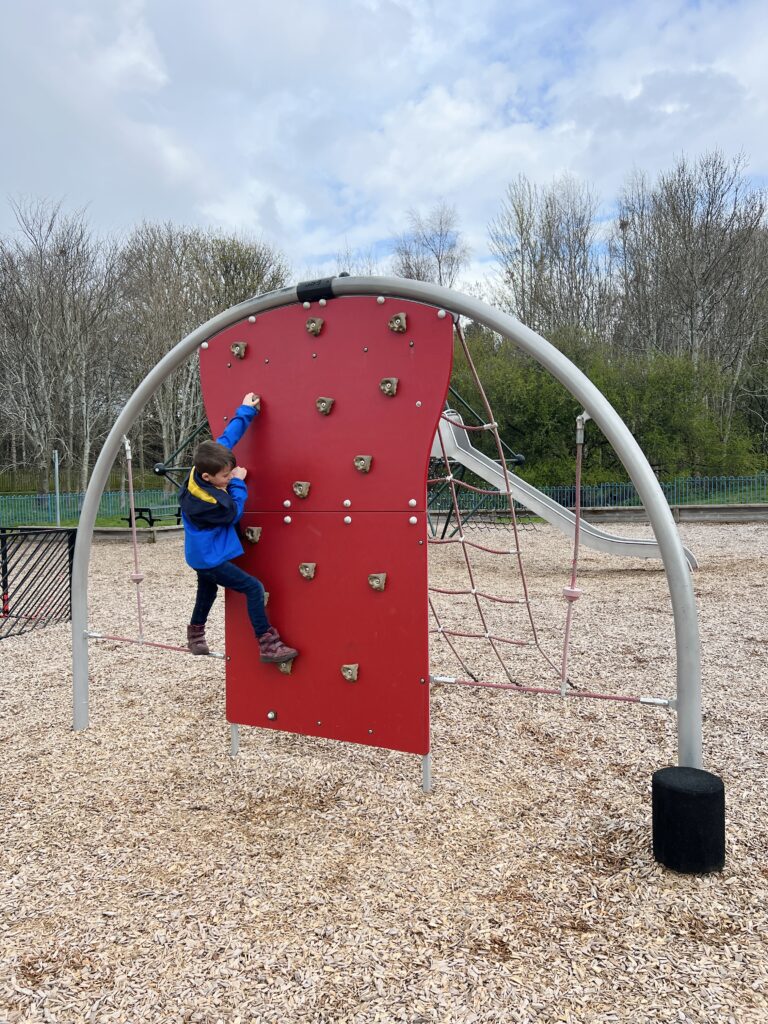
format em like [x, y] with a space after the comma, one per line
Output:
[211, 457]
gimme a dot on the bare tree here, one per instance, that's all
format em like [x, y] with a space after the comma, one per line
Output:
[57, 298]
[174, 279]
[357, 262]
[432, 249]
[552, 275]
[690, 253]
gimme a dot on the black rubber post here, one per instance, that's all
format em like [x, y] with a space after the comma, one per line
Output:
[688, 820]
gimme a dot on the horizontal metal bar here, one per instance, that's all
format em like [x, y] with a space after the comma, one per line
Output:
[660, 702]
[145, 643]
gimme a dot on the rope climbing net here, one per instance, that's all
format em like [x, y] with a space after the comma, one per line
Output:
[479, 625]
[491, 611]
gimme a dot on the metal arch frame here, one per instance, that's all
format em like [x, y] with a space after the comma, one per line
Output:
[688, 703]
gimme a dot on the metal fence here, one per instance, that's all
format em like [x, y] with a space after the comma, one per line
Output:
[712, 490]
[36, 575]
[32, 509]
[35, 509]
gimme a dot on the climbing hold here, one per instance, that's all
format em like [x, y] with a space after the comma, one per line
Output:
[251, 319]
[413, 520]
[285, 667]
[350, 672]
[324, 405]
[377, 580]
[301, 488]
[266, 598]
[271, 715]
[315, 325]
[237, 348]
[397, 323]
[286, 519]
[389, 386]
[307, 570]
[363, 463]
[347, 520]
[253, 534]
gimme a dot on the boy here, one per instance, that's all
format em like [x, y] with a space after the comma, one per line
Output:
[212, 501]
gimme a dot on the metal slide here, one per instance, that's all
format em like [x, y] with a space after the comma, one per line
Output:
[459, 448]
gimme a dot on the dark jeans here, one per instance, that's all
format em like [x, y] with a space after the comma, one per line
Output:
[230, 577]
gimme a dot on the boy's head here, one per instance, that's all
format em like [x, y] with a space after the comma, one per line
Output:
[214, 463]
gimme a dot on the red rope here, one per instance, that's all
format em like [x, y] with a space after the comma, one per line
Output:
[573, 593]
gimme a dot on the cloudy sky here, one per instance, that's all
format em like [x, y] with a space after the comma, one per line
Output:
[316, 124]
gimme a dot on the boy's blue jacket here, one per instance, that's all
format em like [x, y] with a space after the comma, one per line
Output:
[210, 514]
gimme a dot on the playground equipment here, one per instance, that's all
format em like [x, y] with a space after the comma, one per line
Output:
[454, 441]
[354, 373]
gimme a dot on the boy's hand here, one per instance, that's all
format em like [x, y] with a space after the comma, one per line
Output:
[252, 400]
[239, 472]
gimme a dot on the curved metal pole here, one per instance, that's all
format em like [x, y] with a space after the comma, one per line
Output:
[101, 470]
[689, 739]
[591, 399]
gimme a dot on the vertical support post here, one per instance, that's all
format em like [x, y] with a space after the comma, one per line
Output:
[426, 773]
[56, 487]
[234, 740]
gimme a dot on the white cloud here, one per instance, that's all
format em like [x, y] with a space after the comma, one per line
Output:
[319, 125]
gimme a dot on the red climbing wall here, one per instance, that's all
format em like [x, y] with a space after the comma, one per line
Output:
[352, 524]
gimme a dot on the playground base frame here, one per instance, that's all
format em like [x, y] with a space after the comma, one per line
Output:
[688, 659]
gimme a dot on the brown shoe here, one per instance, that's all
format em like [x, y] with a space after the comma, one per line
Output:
[196, 640]
[273, 649]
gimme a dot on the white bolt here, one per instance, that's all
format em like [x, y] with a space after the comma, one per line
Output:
[412, 503]
[441, 314]
[305, 305]
[380, 300]
[286, 519]
[418, 405]
[347, 520]
[347, 503]
[413, 520]
[251, 319]
[204, 345]
[323, 302]
[286, 504]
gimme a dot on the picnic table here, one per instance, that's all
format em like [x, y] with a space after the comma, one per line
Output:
[152, 514]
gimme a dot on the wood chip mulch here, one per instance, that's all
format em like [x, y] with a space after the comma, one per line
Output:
[147, 876]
